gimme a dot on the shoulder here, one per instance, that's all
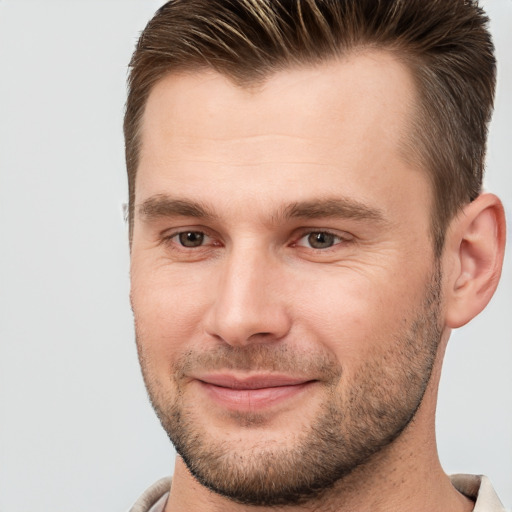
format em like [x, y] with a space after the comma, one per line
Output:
[479, 489]
[154, 498]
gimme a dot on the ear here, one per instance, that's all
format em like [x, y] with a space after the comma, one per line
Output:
[473, 258]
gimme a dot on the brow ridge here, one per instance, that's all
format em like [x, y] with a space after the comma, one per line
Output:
[333, 207]
[162, 205]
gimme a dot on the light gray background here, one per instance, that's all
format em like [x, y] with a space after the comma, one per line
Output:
[76, 430]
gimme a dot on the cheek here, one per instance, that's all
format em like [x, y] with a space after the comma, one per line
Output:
[167, 307]
[356, 315]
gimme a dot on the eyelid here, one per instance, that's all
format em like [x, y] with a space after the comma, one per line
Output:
[170, 236]
[342, 237]
[204, 240]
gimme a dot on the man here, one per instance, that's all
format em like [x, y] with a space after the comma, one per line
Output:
[307, 226]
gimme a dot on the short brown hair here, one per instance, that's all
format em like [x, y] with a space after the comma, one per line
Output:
[445, 44]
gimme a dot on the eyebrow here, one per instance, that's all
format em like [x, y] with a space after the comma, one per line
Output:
[163, 206]
[336, 207]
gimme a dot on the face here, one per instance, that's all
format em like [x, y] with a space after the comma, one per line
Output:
[285, 295]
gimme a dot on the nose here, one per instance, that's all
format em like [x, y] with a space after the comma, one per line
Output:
[248, 304]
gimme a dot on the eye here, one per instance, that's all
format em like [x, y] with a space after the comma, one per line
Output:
[190, 239]
[321, 240]
[191, 244]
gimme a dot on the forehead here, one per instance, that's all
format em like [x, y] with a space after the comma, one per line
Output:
[311, 126]
[362, 86]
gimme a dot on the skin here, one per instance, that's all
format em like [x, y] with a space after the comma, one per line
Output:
[315, 137]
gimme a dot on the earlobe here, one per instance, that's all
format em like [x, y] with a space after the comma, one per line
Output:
[475, 248]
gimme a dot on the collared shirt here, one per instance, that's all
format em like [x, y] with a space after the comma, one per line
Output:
[476, 488]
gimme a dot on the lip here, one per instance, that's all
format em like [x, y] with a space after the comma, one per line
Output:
[252, 392]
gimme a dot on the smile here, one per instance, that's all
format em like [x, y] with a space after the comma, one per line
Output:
[252, 393]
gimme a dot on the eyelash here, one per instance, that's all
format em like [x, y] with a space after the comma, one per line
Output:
[174, 239]
[338, 239]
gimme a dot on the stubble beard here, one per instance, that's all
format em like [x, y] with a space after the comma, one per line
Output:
[350, 430]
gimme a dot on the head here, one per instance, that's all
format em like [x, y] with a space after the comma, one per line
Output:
[296, 170]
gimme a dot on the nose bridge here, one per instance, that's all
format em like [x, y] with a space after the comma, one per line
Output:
[248, 305]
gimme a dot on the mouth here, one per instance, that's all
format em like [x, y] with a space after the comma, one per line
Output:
[252, 392]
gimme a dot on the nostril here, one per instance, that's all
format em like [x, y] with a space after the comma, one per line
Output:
[261, 336]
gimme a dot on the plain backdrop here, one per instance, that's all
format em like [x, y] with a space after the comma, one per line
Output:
[76, 430]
